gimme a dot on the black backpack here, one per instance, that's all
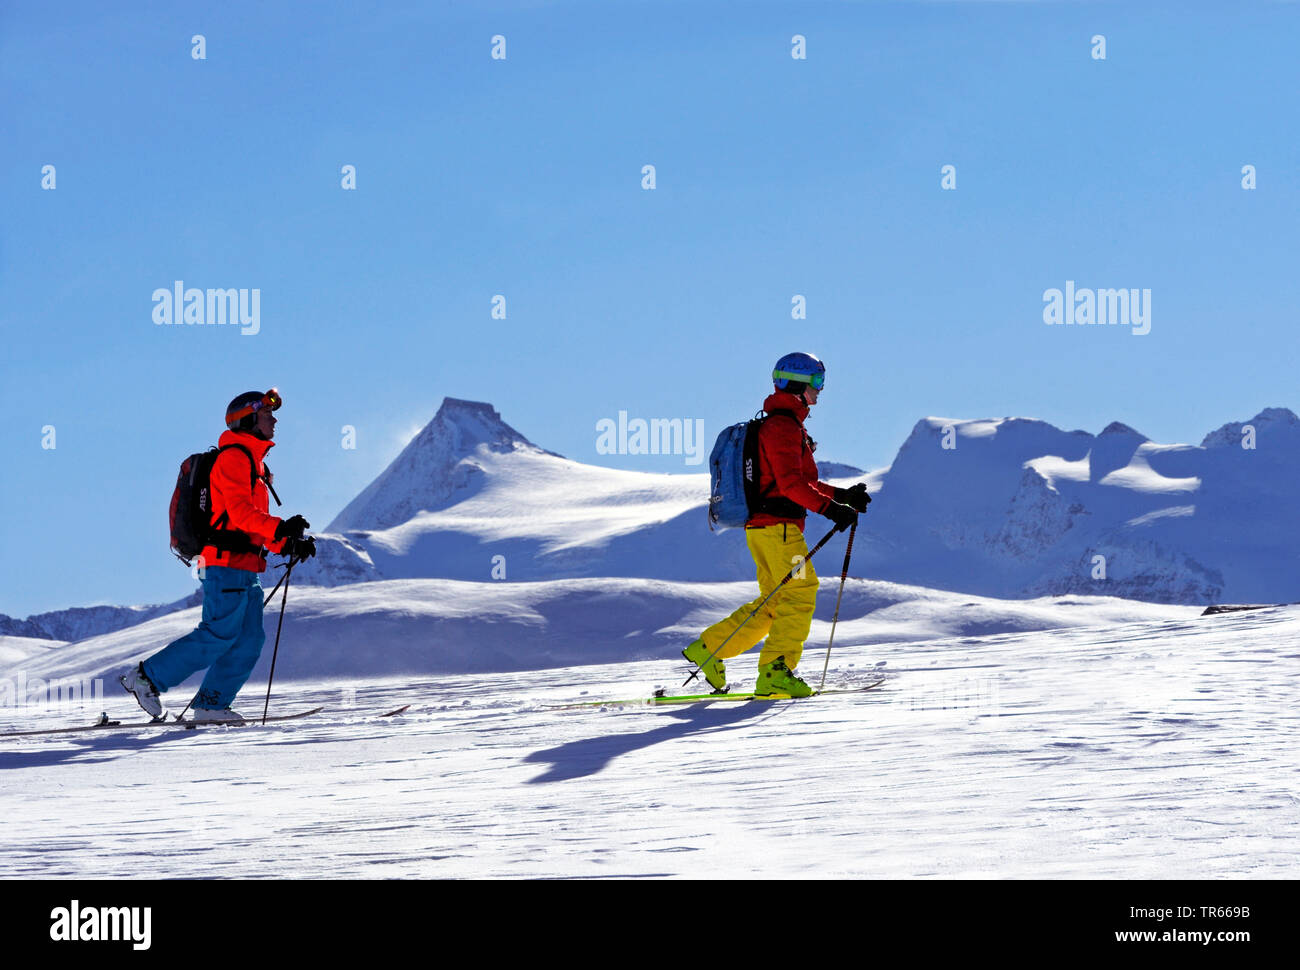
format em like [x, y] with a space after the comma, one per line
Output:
[190, 515]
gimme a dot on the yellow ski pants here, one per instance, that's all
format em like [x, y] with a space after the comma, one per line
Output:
[786, 618]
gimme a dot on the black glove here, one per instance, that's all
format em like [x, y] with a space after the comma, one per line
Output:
[855, 498]
[299, 548]
[294, 527]
[841, 515]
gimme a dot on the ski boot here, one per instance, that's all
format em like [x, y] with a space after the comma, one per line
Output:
[141, 687]
[777, 678]
[208, 715]
[715, 672]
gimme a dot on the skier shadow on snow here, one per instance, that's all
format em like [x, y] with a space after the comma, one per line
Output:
[83, 752]
[589, 756]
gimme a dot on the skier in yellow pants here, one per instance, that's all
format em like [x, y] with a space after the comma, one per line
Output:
[784, 619]
[788, 489]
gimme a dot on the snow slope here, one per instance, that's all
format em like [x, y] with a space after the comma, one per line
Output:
[1152, 750]
[432, 627]
[16, 651]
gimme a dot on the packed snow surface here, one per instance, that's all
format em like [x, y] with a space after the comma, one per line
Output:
[1163, 748]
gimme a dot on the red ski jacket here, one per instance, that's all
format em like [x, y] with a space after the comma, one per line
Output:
[785, 463]
[245, 503]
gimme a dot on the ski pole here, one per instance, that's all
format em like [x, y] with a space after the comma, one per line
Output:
[275, 589]
[274, 653]
[844, 574]
[788, 576]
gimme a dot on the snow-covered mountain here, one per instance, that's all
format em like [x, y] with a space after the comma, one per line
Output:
[1016, 507]
[1006, 507]
[1000, 507]
[448, 462]
[471, 498]
[80, 622]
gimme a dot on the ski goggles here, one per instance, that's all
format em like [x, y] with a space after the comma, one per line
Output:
[271, 399]
[817, 381]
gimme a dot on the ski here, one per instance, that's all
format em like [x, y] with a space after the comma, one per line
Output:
[104, 724]
[659, 699]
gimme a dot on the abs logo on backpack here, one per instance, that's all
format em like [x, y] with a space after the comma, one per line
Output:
[186, 514]
[734, 496]
[733, 476]
[190, 514]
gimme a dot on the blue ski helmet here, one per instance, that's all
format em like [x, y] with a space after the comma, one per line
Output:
[798, 369]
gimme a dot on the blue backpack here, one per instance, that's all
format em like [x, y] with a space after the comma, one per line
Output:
[733, 471]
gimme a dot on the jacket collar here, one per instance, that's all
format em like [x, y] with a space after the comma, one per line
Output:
[785, 401]
[252, 442]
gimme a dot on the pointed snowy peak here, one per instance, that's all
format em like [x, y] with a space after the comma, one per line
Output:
[443, 464]
[460, 427]
[1120, 428]
[1113, 449]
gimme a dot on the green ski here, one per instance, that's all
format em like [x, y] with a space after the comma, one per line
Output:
[660, 699]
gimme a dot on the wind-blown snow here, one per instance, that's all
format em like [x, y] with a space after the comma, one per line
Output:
[1052, 467]
[1139, 476]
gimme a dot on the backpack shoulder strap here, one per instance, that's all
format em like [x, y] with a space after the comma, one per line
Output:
[764, 499]
[232, 540]
[784, 412]
[252, 462]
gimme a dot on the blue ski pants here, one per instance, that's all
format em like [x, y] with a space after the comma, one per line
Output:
[227, 641]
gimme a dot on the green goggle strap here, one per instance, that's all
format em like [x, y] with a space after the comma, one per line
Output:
[816, 380]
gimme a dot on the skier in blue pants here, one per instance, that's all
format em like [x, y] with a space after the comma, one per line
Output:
[229, 638]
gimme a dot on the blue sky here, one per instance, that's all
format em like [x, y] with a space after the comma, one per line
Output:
[522, 177]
